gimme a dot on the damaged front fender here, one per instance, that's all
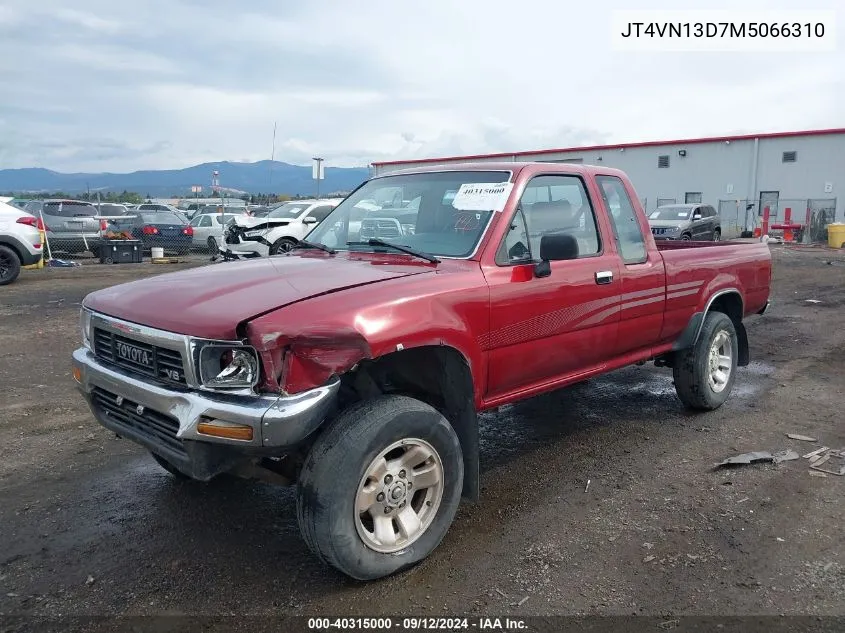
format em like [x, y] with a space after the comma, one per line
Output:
[297, 360]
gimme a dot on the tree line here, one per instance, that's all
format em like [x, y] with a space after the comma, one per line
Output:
[131, 197]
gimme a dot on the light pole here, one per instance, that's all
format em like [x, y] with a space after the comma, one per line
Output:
[317, 172]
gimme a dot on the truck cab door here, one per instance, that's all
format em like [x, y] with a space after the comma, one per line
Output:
[643, 273]
[544, 328]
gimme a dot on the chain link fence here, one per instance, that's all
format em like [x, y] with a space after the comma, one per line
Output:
[112, 233]
[813, 214]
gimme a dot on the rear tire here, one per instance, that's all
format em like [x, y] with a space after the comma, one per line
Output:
[10, 265]
[380, 487]
[282, 245]
[213, 248]
[705, 374]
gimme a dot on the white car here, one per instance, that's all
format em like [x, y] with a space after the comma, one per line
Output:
[20, 241]
[277, 232]
[209, 228]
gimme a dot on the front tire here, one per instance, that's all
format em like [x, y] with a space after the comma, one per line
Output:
[380, 487]
[282, 245]
[10, 265]
[686, 237]
[705, 374]
[717, 235]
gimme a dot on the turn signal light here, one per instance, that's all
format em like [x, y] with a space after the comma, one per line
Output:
[227, 430]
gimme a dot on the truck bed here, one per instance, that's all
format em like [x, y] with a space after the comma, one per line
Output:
[741, 264]
[671, 245]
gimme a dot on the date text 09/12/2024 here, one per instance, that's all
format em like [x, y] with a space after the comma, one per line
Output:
[418, 624]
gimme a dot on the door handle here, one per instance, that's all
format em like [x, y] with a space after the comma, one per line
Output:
[604, 276]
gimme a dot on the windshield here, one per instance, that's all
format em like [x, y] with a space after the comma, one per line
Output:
[671, 213]
[69, 209]
[112, 209]
[288, 210]
[414, 210]
[161, 217]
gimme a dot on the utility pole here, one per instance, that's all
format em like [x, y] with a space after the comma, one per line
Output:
[272, 158]
[317, 172]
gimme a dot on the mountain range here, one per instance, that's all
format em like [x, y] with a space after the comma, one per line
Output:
[261, 177]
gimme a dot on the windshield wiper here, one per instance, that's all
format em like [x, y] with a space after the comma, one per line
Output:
[374, 241]
[318, 246]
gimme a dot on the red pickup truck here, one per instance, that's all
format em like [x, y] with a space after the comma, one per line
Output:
[355, 365]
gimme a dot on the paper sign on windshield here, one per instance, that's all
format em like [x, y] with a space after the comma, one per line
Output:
[484, 196]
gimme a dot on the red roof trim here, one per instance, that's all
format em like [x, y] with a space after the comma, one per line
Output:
[687, 141]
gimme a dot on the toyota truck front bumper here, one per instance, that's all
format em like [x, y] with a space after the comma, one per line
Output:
[170, 421]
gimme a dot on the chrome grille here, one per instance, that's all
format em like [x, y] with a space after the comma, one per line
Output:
[656, 231]
[167, 363]
[158, 428]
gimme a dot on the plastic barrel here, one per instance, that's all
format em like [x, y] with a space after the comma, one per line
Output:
[836, 235]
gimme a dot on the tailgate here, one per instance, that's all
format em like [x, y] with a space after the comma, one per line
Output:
[170, 230]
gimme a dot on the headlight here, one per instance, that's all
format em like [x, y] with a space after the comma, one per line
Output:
[408, 229]
[225, 366]
[85, 327]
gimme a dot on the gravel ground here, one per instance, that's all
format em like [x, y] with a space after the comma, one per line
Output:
[89, 525]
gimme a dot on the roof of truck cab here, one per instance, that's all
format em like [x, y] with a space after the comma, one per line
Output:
[515, 167]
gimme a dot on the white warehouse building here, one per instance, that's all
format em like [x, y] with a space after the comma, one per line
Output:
[739, 175]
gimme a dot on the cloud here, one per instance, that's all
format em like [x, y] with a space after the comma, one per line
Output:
[87, 20]
[170, 83]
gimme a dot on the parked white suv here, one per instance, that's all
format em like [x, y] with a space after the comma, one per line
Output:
[277, 232]
[20, 241]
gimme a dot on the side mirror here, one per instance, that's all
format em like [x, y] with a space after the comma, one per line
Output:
[309, 220]
[696, 216]
[555, 247]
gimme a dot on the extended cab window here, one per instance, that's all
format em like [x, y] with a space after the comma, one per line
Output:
[550, 204]
[623, 218]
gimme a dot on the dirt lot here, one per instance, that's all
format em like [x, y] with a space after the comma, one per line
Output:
[89, 525]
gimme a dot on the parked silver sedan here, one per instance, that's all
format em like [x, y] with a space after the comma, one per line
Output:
[208, 230]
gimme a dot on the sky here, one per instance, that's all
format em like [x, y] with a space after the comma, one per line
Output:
[164, 84]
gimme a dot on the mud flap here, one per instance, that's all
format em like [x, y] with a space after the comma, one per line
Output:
[742, 338]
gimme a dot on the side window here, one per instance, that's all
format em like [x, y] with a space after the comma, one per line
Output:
[205, 221]
[320, 212]
[514, 248]
[550, 204]
[626, 227]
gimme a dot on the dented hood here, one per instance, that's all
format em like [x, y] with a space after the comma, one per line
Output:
[211, 301]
